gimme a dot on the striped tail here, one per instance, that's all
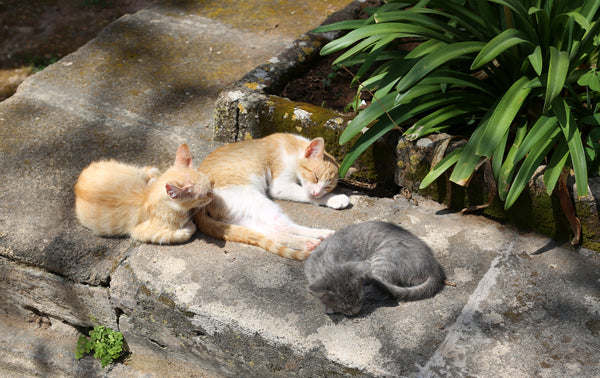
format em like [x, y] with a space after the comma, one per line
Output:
[236, 233]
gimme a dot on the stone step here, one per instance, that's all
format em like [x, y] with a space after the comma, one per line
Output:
[522, 305]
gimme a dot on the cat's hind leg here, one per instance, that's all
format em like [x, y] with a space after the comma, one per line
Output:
[151, 232]
[252, 209]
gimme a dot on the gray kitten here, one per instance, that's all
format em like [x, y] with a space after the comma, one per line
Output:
[378, 253]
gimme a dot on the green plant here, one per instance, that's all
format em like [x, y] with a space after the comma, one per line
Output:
[331, 75]
[517, 78]
[40, 63]
[106, 344]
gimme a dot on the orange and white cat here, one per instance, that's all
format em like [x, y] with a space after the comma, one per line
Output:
[281, 166]
[113, 198]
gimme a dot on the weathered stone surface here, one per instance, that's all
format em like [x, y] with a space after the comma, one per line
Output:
[521, 303]
[45, 293]
[10, 80]
[588, 212]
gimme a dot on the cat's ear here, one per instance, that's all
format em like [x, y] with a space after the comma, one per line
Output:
[316, 149]
[183, 158]
[174, 191]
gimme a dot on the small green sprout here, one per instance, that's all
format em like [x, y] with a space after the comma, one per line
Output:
[106, 344]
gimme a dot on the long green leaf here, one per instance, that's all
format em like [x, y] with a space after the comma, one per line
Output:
[573, 137]
[441, 167]
[556, 165]
[468, 161]
[354, 36]
[375, 41]
[396, 69]
[367, 139]
[543, 25]
[342, 25]
[520, 10]
[470, 19]
[499, 156]
[502, 42]
[502, 116]
[542, 129]
[530, 164]
[587, 45]
[557, 74]
[373, 55]
[590, 8]
[399, 104]
[401, 113]
[423, 17]
[509, 166]
[435, 59]
[367, 116]
[460, 79]
[425, 125]
[536, 60]
[517, 6]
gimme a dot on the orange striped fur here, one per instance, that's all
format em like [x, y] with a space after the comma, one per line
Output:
[282, 166]
[114, 198]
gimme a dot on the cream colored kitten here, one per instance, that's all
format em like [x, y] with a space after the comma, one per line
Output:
[282, 166]
[113, 198]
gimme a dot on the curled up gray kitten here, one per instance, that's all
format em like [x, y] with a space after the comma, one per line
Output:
[377, 253]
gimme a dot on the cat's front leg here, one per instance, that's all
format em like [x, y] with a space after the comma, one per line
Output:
[283, 190]
[185, 233]
[334, 201]
[151, 232]
[289, 191]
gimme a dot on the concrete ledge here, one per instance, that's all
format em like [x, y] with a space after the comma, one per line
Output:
[522, 304]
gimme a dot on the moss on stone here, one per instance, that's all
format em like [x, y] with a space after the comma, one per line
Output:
[144, 290]
[164, 299]
[590, 225]
[281, 115]
[253, 86]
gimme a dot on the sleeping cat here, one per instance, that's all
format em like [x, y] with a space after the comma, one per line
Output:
[282, 166]
[378, 253]
[113, 198]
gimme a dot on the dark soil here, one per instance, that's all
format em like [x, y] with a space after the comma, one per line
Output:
[36, 33]
[325, 85]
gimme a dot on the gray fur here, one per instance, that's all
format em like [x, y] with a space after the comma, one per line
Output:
[378, 253]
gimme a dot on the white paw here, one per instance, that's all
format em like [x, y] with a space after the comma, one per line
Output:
[183, 234]
[190, 226]
[324, 234]
[338, 201]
